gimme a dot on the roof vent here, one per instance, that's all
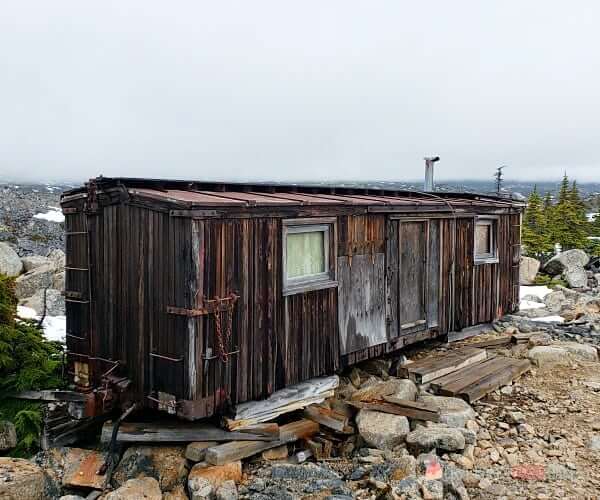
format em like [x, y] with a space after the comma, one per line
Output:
[429, 164]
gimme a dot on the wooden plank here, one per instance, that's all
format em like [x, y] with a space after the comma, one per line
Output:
[294, 397]
[361, 310]
[406, 403]
[236, 450]
[395, 409]
[427, 370]
[452, 384]
[268, 429]
[327, 417]
[514, 369]
[498, 342]
[175, 433]
[523, 338]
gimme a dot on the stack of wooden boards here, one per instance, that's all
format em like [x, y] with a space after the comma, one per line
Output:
[468, 372]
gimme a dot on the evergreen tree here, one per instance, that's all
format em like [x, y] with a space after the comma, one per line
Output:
[548, 201]
[569, 225]
[27, 362]
[536, 238]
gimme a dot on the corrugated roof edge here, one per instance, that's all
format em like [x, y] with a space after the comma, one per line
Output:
[163, 184]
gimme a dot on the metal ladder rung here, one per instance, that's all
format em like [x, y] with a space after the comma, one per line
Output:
[75, 336]
[167, 358]
[69, 268]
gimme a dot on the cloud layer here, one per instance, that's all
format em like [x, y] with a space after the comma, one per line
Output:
[343, 89]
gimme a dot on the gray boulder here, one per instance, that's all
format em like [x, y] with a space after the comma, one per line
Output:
[227, 491]
[399, 388]
[581, 352]
[8, 435]
[57, 257]
[566, 261]
[37, 279]
[136, 489]
[528, 270]
[454, 412]
[555, 301]
[58, 281]
[20, 478]
[55, 302]
[382, 430]
[32, 261]
[543, 356]
[10, 263]
[576, 277]
[425, 439]
[166, 464]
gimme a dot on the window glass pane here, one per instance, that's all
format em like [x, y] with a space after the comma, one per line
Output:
[305, 254]
[483, 239]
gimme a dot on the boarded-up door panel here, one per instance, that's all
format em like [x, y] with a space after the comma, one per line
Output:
[361, 302]
[413, 274]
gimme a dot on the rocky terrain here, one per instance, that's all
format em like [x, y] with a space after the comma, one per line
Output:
[537, 438]
[30, 218]
[31, 250]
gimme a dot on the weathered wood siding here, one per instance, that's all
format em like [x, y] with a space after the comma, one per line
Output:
[137, 256]
[280, 340]
[142, 259]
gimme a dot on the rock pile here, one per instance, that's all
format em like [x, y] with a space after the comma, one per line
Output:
[39, 281]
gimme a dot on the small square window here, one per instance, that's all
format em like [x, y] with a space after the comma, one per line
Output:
[307, 255]
[485, 241]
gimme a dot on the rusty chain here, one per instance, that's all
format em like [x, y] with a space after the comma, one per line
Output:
[223, 342]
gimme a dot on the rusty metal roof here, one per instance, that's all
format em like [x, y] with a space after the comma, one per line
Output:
[210, 194]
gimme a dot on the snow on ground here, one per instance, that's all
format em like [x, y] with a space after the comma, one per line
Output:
[52, 215]
[538, 291]
[55, 327]
[529, 304]
[549, 319]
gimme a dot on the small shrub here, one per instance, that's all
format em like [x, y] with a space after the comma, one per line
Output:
[27, 362]
[549, 281]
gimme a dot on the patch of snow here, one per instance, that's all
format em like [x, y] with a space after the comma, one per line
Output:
[53, 215]
[529, 304]
[591, 216]
[26, 312]
[538, 291]
[55, 327]
[549, 319]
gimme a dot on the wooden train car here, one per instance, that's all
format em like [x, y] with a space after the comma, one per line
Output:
[194, 296]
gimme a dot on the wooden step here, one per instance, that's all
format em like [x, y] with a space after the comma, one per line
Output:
[428, 369]
[513, 370]
[453, 382]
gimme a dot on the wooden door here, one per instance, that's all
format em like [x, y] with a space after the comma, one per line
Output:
[412, 280]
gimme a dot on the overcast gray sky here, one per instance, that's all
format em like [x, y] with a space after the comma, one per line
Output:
[309, 90]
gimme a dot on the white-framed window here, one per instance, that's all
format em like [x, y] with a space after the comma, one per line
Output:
[486, 240]
[308, 254]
